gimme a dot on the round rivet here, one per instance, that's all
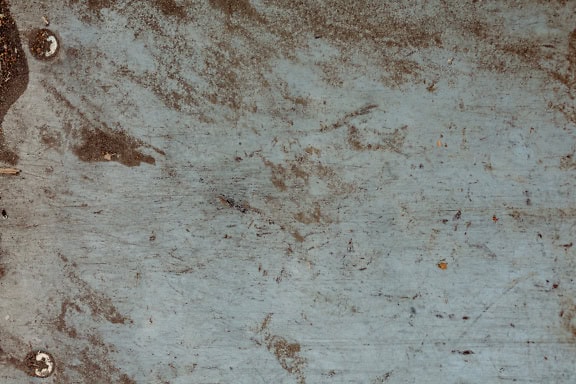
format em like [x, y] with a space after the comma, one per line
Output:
[43, 44]
[39, 364]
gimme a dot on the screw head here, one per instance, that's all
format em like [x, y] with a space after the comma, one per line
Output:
[43, 44]
[39, 364]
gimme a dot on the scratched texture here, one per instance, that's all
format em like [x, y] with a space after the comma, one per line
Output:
[312, 191]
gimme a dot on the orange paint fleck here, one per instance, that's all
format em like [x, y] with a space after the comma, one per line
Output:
[439, 143]
[443, 265]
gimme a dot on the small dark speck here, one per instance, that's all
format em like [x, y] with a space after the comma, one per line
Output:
[555, 285]
[512, 325]
[457, 216]
[465, 352]
[465, 318]
[4, 214]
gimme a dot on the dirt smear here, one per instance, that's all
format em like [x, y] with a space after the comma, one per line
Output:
[111, 146]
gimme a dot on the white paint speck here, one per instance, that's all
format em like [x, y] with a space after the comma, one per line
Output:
[53, 46]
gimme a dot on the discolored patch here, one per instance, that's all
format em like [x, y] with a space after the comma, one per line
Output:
[51, 139]
[97, 5]
[7, 155]
[83, 355]
[392, 142]
[568, 317]
[313, 216]
[111, 146]
[287, 353]
[295, 174]
[567, 162]
[236, 7]
[170, 8]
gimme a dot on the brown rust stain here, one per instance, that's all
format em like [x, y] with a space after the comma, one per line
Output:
[567, 162]
[94, 5]
[222, 65]
[287, 353]
[100, 142]
[7, 155]
[567, 316]
[390, 142]
[571, 55]
[171, 8]
[84, 357]
[111, 146]
[296, 174]
[50, 139]
[313, 151]
[385, 32]
[13, 74]
[97, 5]
[567, 77]
[313, 216]
[60, 322]
[100, 305]
[345, 120]
[125, 379]
[369, 21]
[298, 237]
[236, 7]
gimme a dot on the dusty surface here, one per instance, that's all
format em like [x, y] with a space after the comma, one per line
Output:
[303, 192]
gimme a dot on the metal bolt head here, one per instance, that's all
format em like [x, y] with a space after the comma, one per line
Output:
[43, 44]
[39, 364]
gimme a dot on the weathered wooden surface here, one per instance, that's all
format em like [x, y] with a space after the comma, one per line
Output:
[305, 192]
